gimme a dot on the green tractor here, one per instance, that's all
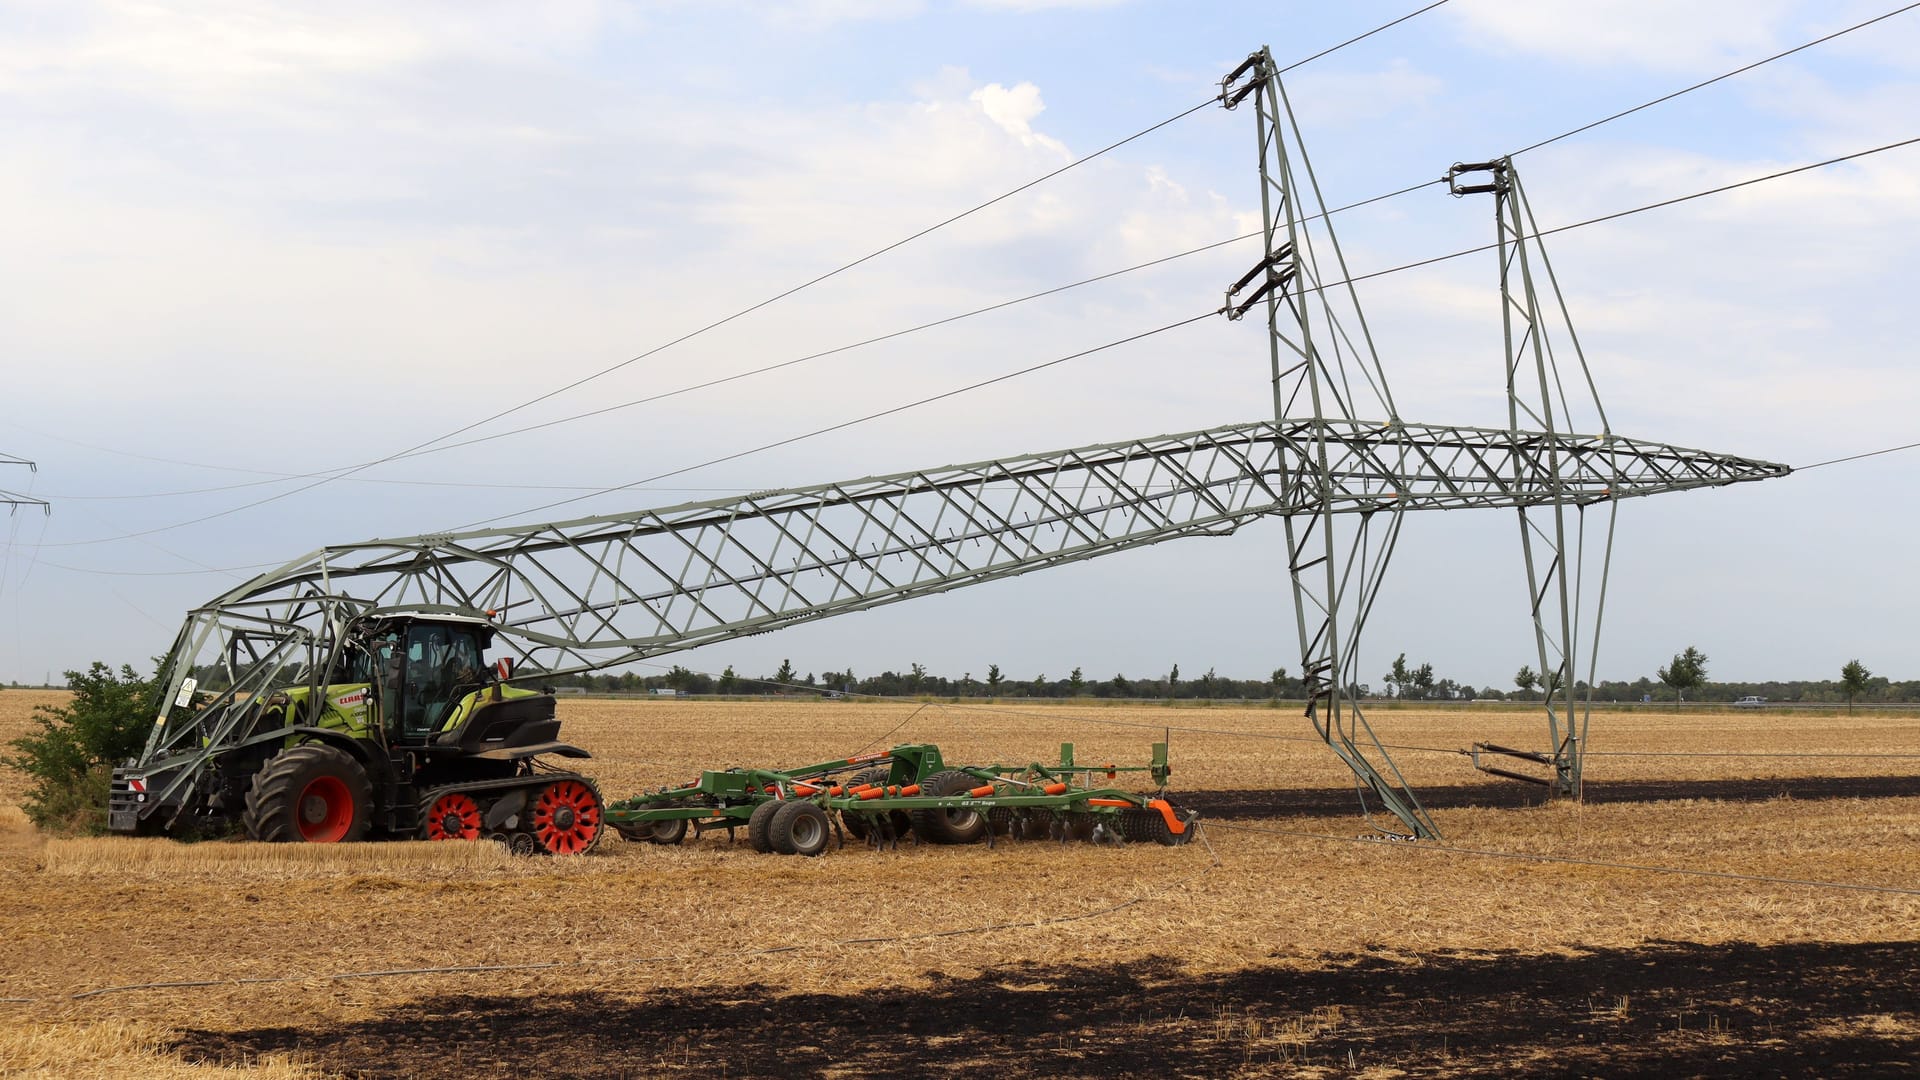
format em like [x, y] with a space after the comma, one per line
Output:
[401, 728]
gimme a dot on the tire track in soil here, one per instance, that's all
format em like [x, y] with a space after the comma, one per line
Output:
[1341, 802]
[1666, 1009]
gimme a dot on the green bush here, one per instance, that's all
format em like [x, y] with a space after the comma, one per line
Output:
[70, 759]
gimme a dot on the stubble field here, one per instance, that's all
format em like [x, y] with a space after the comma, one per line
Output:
[1283, 945]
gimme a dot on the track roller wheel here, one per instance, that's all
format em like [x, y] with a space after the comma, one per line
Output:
[957, 826]
[566, 817]
[313, 793]
[799, 827]
[451, 816]
[758, 837]
[671, 831]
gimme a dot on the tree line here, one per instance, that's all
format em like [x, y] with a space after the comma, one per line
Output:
[1683, 679]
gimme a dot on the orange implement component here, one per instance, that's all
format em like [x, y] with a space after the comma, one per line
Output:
[871, 793]
[805, 789]
[1054, 789]
[1111, 774]
[1174, 824]
[1108, 802]
[910, 789]
[981, 792]
[836, 790]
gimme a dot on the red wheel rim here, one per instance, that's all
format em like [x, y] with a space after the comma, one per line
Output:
[566, 817]
[324, 810]
[453, 816]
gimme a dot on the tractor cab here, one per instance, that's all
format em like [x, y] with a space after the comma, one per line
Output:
[433, 686]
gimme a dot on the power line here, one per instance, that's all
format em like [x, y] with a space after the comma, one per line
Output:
[751, 308]
[1709, 82]
[790, 440]
[690, 335]
[1857, 457]
[280, 477]
[1620, 214]
[1316, 288]
[1362, 37]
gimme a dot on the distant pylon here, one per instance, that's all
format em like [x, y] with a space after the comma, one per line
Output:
[14, 500]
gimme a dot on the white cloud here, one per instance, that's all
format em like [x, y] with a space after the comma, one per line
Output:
[1641, 33]
[1014, 110]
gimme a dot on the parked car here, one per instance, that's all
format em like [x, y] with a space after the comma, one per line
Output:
[1751, 702]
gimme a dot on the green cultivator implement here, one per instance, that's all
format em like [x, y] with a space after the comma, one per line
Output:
[882, 797]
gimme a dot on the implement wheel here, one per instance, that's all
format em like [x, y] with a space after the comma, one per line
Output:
[313, 793]
[757, 825]
[958, 826]
[566, 817]
[452, 816]
[799, 828]
[671, 831]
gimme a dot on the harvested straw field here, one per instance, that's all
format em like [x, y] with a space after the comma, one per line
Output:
[1284, 945]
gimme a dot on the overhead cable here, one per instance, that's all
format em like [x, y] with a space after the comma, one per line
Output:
[790, 440]
[349, 471]
[1709, 82]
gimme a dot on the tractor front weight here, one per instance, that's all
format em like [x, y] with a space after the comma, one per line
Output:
[880, 798]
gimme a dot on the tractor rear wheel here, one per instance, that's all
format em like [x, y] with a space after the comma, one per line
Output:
[566, 817]
[757, 835]
[799, 827]
[958, 826]
[312, 793]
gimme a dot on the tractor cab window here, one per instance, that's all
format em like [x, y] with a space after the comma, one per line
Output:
[440, 664]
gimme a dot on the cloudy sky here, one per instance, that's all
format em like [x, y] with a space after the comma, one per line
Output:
[253, 241]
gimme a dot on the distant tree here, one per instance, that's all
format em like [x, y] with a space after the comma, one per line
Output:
[1688, 670]
[1278, 680]
[1173, 680]
[1550, 682]
[728, 680]
[1207, 682]
[1078, 682]
[1525, 679]
[1121, 687]
[915, 675]
[785, 675]
[994, 678]
[1853, 679]
[1422, 678]
[1398, 678]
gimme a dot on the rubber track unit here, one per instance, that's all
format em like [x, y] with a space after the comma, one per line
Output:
[273, 810]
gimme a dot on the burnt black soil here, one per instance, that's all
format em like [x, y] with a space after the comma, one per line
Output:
[1341, 802]
[1667, 1009]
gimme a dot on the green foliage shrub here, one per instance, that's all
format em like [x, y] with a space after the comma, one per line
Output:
[70, 759]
